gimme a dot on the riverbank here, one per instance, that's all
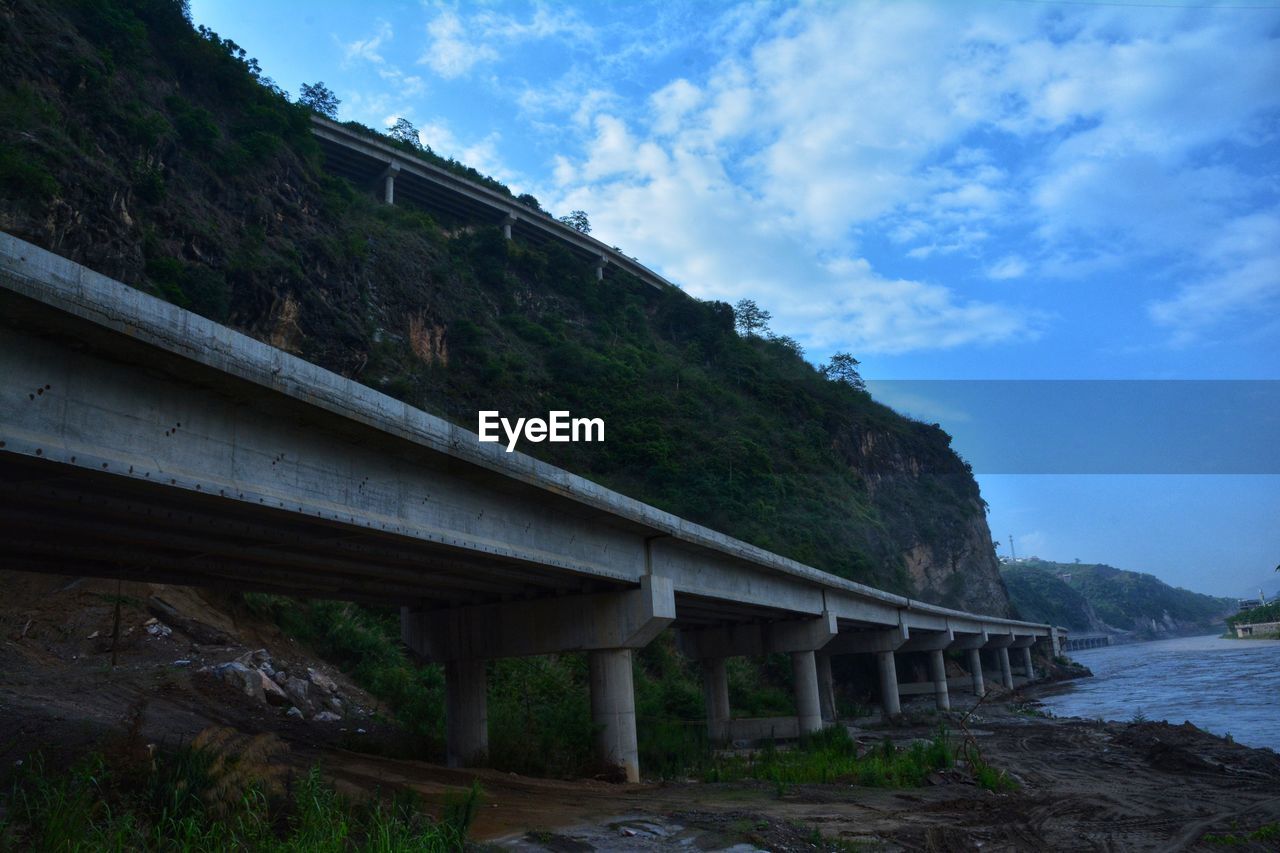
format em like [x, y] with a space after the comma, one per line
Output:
[1081, 785]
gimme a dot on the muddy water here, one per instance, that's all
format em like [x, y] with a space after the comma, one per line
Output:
[1222, 686]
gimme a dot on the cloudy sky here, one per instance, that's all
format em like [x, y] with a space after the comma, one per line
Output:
[1004, 190]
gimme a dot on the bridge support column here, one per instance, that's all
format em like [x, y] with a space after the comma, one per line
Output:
[938, 672]
[889, 701]
[600, 263]
[715, 690]
[506, 225]
[388, 177]
[826, 688]
[613, 709]
[466, 713]
[975, 672]
[804, 675]
[1027, 669]
[1006, 671]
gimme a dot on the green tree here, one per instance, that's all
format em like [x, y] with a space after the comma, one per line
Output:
[404, 131]
[750, 319]
[843, 367]
[577, 220]
[320, 98]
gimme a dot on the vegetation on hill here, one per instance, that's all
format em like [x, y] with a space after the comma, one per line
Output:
[1100, 597]
[1042, 596]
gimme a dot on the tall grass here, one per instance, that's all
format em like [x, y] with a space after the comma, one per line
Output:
[833, 756]
[179, 803]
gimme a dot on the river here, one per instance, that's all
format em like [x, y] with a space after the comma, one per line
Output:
[1222, 686]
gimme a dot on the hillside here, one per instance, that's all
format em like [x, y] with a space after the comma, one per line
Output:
[161, 156]
[1100, 598]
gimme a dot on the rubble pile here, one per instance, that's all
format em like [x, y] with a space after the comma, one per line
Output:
[299, 692]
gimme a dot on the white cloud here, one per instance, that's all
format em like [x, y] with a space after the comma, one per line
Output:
[451, 50]
[1089, 139]
[368, 49]
[1008, 267]
[457, 43]
[1243, 280]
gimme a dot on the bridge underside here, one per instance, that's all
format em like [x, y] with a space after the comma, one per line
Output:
[62, 519]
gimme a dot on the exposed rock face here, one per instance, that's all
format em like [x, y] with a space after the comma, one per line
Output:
[937, 525]
[962, 572]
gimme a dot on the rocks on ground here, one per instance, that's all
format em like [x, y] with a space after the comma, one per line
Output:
[299, 692]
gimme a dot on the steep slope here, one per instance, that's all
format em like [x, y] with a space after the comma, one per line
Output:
[1103, 598]
[1042, 596]
[159, 155]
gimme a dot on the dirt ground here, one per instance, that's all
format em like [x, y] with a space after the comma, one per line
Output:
[1082, 785]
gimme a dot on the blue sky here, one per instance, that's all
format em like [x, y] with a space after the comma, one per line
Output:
[986, 190]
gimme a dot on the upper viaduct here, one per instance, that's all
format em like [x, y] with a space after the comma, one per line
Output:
[139, 440]
[368, 161]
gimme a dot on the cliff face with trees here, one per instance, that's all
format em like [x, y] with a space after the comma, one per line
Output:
[160, 155]
[1103, 599]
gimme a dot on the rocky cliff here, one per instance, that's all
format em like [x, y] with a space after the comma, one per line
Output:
[162, 156]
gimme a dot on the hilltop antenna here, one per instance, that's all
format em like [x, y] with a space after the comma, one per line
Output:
[1013, 555]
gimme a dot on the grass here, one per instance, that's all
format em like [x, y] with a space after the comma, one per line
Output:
[220, 796]
[833, 756]
[1266, 832]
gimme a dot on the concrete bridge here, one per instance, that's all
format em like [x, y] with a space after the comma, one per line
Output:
[397, 175]
[1085, 641]
[139, 440]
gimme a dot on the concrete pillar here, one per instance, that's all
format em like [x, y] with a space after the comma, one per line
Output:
[600, 268]
[1006, 671]
[715, 689]
[975, 672]
[938, 671]
[613, 709]
[888, 684]
[389, 182]
[826, 688]
[804, 674]
[506, 225]
[466, 713]
[1027, 669]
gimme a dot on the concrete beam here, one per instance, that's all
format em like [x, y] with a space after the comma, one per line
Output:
[609, 620]
[928, 641]
[867, 642]
[969, 641]
[1023, 641]
[998, 641]
[752, 639]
